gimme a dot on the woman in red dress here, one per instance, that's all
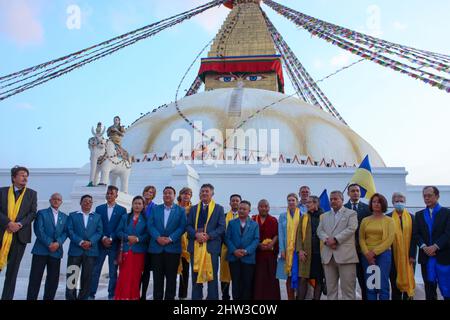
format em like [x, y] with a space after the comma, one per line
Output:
[133, 233]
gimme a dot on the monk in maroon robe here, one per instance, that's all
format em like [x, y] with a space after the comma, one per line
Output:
[267, 286]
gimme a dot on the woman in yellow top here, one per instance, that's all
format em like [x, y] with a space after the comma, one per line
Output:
[184, 201]
[376, 236]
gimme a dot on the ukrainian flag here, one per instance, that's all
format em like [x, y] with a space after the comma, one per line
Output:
[325, 201]
[364, 178]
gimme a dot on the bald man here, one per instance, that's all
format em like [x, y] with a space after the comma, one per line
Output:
[51, 233]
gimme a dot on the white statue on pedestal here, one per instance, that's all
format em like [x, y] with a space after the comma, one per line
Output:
[108, 159]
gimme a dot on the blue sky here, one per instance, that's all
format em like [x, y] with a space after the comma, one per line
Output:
[405, 120]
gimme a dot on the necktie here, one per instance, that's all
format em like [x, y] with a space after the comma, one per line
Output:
[17, 193]
[355, 206]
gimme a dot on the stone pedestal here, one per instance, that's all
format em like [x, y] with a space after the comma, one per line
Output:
[98, 193]
[98, 196]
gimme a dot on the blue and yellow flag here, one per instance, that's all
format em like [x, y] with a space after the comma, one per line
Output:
[364, 178]
[325, 201]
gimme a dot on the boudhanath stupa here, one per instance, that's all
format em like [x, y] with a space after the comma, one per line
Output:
[242, 133]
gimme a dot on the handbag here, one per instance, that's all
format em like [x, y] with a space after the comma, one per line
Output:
[119, 256]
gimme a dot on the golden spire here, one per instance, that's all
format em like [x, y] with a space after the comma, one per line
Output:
[243, 40]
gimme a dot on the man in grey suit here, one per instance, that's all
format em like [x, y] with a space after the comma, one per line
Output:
[337, 231]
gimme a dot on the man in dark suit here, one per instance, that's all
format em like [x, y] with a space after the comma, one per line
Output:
[432, 227]
[166, 225]
[362, 209]
[85, 230]
[206, 226]
[111, 214]
[51, 233]
[16, 222]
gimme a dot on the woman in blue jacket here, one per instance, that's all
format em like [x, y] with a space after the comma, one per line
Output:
[133, 233]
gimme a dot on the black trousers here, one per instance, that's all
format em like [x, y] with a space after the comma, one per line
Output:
[184, 280]
[38, 265]
[87, 265]
[225, 289]
[396, 294]
[361, 277]
[430, 287]
[145, 279]
[242, 279]
[12, 269]
[165, 268]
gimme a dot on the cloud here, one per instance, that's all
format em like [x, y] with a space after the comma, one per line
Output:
[318, 63]
[125, 19]
[212, 19]
[19, 21]
[399, 26]
[24, 106]
[340, 60]
[209, 20]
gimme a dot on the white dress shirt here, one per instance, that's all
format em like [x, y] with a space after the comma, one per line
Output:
[55, 215]
[110, 211]
[337, 216]
[167, 211]
[354, 204]
[85, 218]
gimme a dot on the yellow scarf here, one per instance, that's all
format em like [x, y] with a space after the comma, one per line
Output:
[184, 244]
[225, 275]
[292, 224]
[13, 211]
[202, 258]
[402, 241]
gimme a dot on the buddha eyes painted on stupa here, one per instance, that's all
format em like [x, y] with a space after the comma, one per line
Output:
[231, 78]
[254, 77]
[227, 78]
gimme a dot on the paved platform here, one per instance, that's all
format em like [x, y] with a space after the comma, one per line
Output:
[102, 293]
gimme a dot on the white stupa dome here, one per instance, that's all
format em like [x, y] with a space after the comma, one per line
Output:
[304, 130]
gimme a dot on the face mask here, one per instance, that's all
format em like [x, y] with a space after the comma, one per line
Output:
[399, 206]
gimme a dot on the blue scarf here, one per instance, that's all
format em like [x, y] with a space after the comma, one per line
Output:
[303, 209]
[432, 263]
[294, 271]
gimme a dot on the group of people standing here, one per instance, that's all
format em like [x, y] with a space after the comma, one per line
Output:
[358, 242]
[305, 246]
